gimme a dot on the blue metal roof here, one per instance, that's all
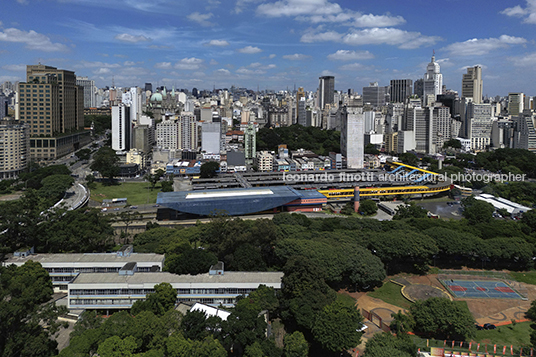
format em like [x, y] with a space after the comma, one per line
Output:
[233, 202]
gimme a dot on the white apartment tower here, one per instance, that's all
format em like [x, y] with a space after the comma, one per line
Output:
[433, 80]
[353, 137]
[121, 128]
[90, 97]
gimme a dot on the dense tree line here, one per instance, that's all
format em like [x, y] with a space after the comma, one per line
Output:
[101, 123]
[296, 137]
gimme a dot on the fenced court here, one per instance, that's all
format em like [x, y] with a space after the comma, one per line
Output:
[480, 289]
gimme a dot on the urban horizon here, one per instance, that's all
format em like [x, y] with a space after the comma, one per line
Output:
[270, 45]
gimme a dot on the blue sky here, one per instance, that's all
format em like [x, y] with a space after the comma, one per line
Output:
[272, 44]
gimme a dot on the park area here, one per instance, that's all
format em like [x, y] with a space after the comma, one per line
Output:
[497, 298]
[136, 193]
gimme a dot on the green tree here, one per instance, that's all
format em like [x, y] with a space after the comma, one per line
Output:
[162, 300]
[443, 319]
[209, 168]
[243, 328]
[387, 345]
[25, 310]
[167, 186]
[453, 143]
[365, 270]
[371, 149]
[83, 154]
[192, 261]
[409, 158]
[116, 347]
[54, 186]
[296, 345]
[476, 211]
[337, 326]
[106, 162]
[531, 312]
[348, 209]
[368, 207]
[411, 210]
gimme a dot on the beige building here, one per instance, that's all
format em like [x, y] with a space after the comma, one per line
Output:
[52, 106]
[14, 142]
[472, 84]
[264, 161]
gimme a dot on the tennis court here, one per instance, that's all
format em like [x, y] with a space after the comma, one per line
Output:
[480, 289]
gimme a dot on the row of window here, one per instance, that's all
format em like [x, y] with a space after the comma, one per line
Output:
[220, 291]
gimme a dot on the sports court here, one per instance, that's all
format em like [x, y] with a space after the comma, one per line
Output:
[480, 289]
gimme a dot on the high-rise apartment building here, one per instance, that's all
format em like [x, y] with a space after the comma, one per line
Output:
[326, 91]
[179, 132]
[515, 103]
[52, 106]
[3, 106]
[89, 91]
[353, 137]
[122, 128]
[14, 144]
[433, 80]
[479, 125]
[299, 95]
[250, 143]
[525, 131]
[375, 95]
[400, 89]
[472, 84]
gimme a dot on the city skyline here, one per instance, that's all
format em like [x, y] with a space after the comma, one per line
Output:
[271, 44]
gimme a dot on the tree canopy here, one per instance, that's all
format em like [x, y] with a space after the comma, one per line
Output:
[106, 162]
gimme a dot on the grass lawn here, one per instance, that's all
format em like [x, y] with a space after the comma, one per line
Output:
[136, 193]
[391, 294]
[528, 277]
[346, 298]
[517, 335]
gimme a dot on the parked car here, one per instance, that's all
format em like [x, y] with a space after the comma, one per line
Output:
[133, 207]
[489, 327]
[478, 327]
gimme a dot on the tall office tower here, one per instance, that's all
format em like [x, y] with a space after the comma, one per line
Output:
[52, 105]
[135, 99]
[433, 80]
[3, 106]
[211, 137]
[472, 84]
[430, 127]
[302, 112]
[14, 145]
[244, 116]
[525, 132]
[89, 91]
[148, 87]
[393, 118]
[353, 137]
[375, 95]
[250, 144]
[418, 87]
[515, 103]
[400, 89]
[121, 128]
[326, 91]
[188, 136]
[299, 95]
[178, 133]
[479, 123]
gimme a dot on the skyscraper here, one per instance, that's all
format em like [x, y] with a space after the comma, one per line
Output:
[433, 80]
[400, 89]
[121, 128]
[375, 95]
[13, 148]
[250, 144]
[52, 105]
[353, 137]
[89, 91]
[515, 103]
[472, 84]
[326, 89]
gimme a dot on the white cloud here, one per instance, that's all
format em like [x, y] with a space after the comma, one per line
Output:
[191, 63]
[32, 40]
[352, 67]
[312, 36]
[296, 57]
[298, 7]
[347, 55]
[223, 71]
[219, 43]
[15, 67]
[125, 37]
[241, 4]
[201, 19]
[323, 11]
[479, 47]
[213, 62]
[273, 55]
[327, 72]
[163, 65]
[390, 36]
[102, 71]
[528, 12]
[527, 60]
[249, 50]
[129, 63]
[96, 64]
[243, 70]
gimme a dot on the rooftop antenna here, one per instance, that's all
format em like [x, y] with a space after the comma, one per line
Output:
[113, 82]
